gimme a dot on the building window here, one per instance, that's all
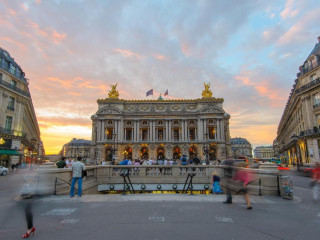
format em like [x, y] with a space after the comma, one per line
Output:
[12, 69]
[109, 133]
[0, 75]
[175, 122]
[316, 99]
[160, 134]
[212, 132]
[160, 122]
[13, 83]
[144, 134]
[11, 103]
[313, 77]
[176, 134]
[8, 123]
[128, 122]
[192, 133]
[109, 122]
[129, 134]
[191, 122]
[144, 122]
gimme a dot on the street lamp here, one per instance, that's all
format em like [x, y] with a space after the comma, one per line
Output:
[33, 142]
[114, 135]
[206, 149]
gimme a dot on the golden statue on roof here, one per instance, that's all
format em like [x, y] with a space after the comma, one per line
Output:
[206, 93]
[113, 93]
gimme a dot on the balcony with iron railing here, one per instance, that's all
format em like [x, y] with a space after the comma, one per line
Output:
[14, 88]
[309, 68]
[16, 73]
[12, 132]
[308, 85]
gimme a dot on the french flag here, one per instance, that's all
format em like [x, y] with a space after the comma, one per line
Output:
[150, 92]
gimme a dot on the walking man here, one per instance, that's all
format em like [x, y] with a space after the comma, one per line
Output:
[77, 168]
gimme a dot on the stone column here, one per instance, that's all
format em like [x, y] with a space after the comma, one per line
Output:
[170, 130]
[182, 130]
[167, 131]
[137, 132]
[134, 131]
[153, 130]
[120, 133]
[199, 130]
[99, 130]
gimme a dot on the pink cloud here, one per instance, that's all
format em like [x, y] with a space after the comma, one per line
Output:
[51, 34]
[159, 56]
[127, 53]
[57, 37]
[297, 31]
[289, 11]
[264, 89]
[65, 83]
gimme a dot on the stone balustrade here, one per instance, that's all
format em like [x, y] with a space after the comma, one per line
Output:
[100, 178]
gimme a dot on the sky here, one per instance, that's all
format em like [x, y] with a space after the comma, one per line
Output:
[73, 50]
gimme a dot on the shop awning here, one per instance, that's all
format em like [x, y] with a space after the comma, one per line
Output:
[9, 152]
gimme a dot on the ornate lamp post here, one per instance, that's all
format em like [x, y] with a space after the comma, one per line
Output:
[114, 150]
[205, 148]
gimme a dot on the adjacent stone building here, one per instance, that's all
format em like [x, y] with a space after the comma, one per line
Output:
[19, 131]
[240, 147]
[75, 148]
[158, 129]
[298, 133]
[264, 152]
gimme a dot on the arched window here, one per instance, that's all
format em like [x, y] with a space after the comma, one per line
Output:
[128, 122]
[191, 122]
[109, 122]
[144, 122]
[175, 122]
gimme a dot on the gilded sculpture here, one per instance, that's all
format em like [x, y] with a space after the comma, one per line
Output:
[113, 93]
[206, 93]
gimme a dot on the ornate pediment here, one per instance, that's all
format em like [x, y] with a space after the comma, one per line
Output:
[211, 110]
[109, 110]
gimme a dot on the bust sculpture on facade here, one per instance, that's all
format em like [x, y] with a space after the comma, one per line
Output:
[113, 93]
[206, 93]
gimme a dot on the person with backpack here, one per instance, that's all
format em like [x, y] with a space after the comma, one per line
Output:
[77, 168]
[184, 160]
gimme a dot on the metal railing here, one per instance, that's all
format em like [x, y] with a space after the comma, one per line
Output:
[12, 132]
[14, 88]
[308, 69]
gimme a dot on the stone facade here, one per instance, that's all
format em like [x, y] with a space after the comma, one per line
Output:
[240, 147]
[264, 152]
[158, 129]
[75, 148]
[19, 130]
[298, 134]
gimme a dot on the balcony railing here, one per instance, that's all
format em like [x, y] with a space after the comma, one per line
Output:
[16, 73]
[308, 69]
[12, 132]
[308, 85]
[14, 88]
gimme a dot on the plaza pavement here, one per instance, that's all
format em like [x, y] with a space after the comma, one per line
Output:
[159, 216]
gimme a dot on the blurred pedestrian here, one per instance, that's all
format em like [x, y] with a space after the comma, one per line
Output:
[315, 181]
[27, 195]
[244, 177]
[61, 163]
[228, 173]
[77, 168]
